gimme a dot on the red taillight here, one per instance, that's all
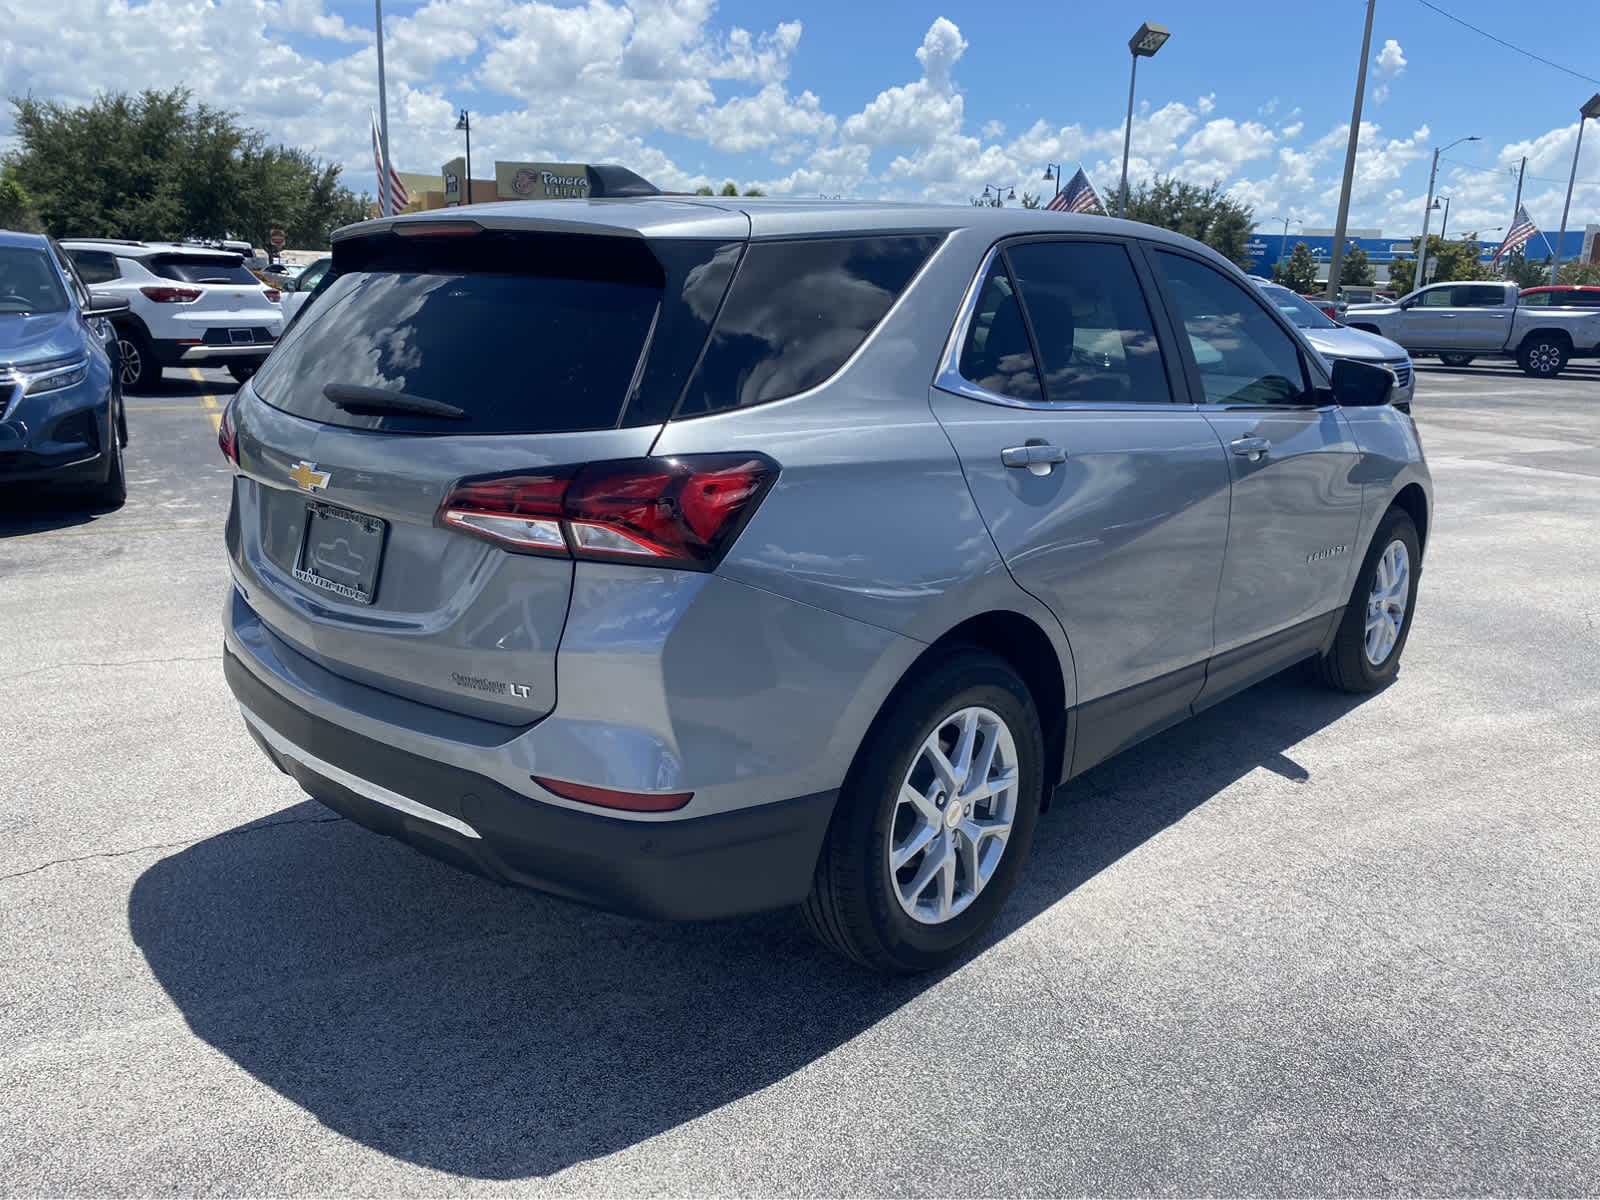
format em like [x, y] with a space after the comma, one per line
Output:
[225, 437]
[609, 798]
[680, 512]
[273, 294]
[172, 295]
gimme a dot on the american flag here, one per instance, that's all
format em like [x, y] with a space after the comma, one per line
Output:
[1078, 196]
[1522, 229]
[397, 198]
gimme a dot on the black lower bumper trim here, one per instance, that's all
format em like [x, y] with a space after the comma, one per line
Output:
[694, 869]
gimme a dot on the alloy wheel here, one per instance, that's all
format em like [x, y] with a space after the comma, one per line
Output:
[1545, 358]
[954, 815]
[132, 361]
[1386, 604]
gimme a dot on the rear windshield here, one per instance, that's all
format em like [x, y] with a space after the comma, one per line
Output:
[199, 268]
[29, 283]
[526, 333]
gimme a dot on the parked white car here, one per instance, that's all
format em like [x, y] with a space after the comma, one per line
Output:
[300, 289]
[187, 305]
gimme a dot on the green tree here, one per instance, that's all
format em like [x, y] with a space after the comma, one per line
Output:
[159, 165]
[1207, 214]
[1298, 273]
[1519, 270]
[1357, 271]
[1575, 272]
[16, 207]
[730, 188]
[1029, 200]
[705, 189]
[1452, 261]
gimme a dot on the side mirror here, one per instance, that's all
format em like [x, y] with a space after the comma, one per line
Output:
[102, 304]
[1361, 384]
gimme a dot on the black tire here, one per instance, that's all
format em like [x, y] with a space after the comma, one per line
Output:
[1543, 356]
[242, 372]
[1456, 360]
[1346, 666]
[852, 908]
[113, 492]
[137, 360]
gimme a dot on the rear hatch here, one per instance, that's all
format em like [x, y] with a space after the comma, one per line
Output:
[455, 352]
[224, 303]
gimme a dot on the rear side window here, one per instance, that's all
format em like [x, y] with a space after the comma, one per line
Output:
[195, 268]
[796, 312]
[95, 266]
[997, 355]
[1470, 296]
[1537, 300]
[1091, 323]
[525, 333]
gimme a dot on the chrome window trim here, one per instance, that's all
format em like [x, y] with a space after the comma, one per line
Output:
[950, 379]
[361, 787]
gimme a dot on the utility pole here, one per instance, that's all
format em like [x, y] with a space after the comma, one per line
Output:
[1517, 204]
[1427, 215]
[1336, 266]
[1591, 109]
[385, 201]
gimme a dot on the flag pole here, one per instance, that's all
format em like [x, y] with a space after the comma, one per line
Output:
[386, 205]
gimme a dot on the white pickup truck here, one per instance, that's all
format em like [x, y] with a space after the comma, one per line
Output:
[1463, 321]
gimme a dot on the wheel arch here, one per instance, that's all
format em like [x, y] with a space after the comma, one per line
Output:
[1414, 503]
[1023, 645]
[1552, 333]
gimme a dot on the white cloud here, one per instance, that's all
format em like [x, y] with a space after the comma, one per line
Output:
[992, 130]
[1391, 60]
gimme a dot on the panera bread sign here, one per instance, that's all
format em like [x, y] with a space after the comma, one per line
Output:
[541, 181]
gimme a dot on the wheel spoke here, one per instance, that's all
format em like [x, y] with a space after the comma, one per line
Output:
[932, 864]
[942, 766]
[978, 777]
[925, 808]
[947, 885]
[919, 839]
[962, 758]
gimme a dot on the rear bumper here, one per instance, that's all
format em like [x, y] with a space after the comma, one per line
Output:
[174, 353]
[700, 868]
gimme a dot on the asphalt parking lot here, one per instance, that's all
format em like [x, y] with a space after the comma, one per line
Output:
[1299, 945]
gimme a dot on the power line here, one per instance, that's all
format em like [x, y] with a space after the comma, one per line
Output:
[1508, 45]
[1513, 172]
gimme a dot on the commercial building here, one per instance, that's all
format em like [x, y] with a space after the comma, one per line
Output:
[511, 181]
[1269, 246]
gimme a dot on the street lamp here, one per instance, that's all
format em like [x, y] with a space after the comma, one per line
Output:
[1283, 244]
[464, 123]
[1591, 109]
[1445, 224]
[1012, 190]
[1053, 171]
[1427, 211]
[1143, 44]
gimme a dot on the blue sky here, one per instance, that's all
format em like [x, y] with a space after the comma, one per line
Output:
[879, 99]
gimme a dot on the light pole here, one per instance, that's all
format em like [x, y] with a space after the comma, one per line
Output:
[1444, 225]
[1053, 171]
[997, 193]
[1143, 44]
[1283, 244]
[1591, 109]
[1427, 212]
[385, 192]
[464, 123]
[1341, 223]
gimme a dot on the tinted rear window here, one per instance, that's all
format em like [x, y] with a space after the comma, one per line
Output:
[95, 266]
[528, 333]
[195, 268]
[796, 311]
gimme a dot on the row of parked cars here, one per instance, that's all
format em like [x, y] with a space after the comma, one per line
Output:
[84, 320]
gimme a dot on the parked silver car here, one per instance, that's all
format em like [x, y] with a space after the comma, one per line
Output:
[695, 557]
[1335, 341]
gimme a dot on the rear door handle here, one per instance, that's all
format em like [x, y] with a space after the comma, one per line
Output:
[1036, 456]
[1251, 447]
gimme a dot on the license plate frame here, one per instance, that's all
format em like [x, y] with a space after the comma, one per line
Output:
[241, 337]
[317, 563]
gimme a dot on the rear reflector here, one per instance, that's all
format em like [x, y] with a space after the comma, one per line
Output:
[607, 798]
[678, 512]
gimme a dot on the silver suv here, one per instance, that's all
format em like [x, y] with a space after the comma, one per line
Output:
[691, 558]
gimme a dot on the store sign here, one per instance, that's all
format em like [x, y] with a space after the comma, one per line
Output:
[542, 181]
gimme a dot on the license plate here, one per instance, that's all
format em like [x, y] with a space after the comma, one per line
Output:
[340, 552]
[241, 337]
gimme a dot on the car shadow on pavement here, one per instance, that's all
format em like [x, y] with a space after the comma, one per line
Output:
[34, 508]
[501, 1034]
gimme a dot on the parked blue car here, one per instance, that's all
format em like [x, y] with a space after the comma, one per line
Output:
[61, 418]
